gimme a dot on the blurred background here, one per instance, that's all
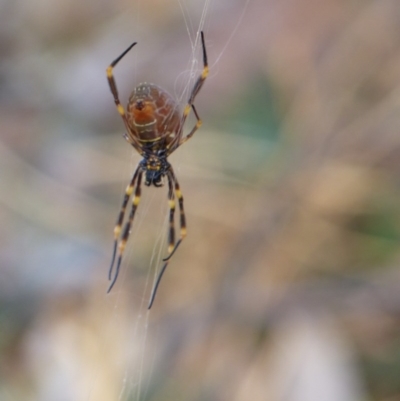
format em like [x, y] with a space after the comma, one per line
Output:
[287, 286]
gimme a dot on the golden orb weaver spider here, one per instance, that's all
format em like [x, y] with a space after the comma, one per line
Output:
[154, 128]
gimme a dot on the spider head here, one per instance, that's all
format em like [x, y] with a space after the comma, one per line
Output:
[155, 168]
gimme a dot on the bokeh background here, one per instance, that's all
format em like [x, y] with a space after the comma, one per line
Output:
[287, 285]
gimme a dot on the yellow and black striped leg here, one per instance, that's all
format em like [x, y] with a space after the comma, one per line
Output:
[118, 225]
[127, 229]
[182, 217]
[200, 81]
[171, 201]
[194, 129]
[113, 87]
[171, 236]
[172, 181]
[196, 89]
[110, 76]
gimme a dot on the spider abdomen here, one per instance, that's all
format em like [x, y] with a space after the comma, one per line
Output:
[153, 115]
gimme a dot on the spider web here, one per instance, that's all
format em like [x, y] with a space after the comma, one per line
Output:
[138, 361]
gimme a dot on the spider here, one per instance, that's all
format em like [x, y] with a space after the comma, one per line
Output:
[154, 127]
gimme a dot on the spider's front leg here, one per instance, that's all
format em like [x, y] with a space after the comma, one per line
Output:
[179, 140]
[129, 136]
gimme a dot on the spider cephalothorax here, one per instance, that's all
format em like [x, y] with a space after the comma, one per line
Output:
[154, 127]
[156, 167]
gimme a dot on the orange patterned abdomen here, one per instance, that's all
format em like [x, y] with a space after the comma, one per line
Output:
[153, 115]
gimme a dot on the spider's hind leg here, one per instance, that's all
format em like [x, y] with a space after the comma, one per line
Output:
[127, 229]
[118, 225]
[172, 247]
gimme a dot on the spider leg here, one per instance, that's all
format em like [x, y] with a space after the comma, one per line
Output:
[154, 291]
[178, 141]
[171, 247]
[113, 87]
[127, 229]
[172, 250]
[204, 73]
[118, 225]
[194, 129]
[171, 201]
[171, 237]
